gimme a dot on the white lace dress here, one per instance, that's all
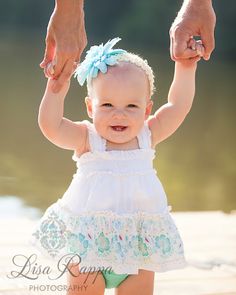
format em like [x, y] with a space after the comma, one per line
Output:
[114, 213]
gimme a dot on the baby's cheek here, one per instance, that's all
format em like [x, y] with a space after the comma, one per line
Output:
[99, 120]
[138, 118]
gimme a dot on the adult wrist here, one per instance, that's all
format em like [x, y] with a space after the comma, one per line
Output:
[198, 3]
[69, 5]
[191, 7]
[70, 11]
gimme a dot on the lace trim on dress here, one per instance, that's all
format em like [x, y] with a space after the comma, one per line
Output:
[121, 240]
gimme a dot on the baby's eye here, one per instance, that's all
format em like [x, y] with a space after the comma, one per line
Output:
[107, 105]
[132, 106]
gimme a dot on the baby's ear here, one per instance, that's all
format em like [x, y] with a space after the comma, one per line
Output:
[89, 106]
[148, 109]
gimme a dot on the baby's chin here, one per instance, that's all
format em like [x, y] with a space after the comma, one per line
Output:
[121, 140]
[117, 139]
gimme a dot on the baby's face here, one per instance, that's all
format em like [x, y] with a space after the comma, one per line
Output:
[119, 102]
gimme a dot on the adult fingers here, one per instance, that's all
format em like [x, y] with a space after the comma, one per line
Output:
[186, 53]
[49, 51]
[72, 56]
[78, 55]
[70, 48]
[192, 44]
[207, 33]
[208, 41]
[65, 75]
[49, 70]
[199, 48]
[62, 58]
[179, 45]
[60, 61]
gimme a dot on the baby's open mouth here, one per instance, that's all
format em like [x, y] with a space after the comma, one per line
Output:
[119, 128]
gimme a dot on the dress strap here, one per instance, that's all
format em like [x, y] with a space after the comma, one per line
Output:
[144, 137]
[96, 142]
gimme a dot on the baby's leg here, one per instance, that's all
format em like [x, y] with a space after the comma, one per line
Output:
[84, 283]
[140, 284]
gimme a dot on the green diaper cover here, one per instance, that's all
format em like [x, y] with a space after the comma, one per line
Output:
[113, 280]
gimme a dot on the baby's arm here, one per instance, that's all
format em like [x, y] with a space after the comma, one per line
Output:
[169, 117]
[59, 130]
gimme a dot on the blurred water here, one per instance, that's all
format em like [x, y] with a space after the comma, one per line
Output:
[196, 164]
[14, 207]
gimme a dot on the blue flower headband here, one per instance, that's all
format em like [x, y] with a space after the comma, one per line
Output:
[97, 59]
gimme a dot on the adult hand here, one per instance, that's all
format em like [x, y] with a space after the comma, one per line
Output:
[195, 18]
[65, 41]
[198, 52]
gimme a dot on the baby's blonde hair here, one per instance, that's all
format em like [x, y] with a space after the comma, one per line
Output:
[139, 62]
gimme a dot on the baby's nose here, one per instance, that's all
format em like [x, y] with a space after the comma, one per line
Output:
[119, 113]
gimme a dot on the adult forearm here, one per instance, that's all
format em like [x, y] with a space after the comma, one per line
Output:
[69, 6]
[191, 8]
[197, 3]
[70, 13]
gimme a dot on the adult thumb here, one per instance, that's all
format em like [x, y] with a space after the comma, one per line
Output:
[49, 52]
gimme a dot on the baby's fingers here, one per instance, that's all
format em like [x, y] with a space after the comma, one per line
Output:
[192, 44]
[197, 46]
